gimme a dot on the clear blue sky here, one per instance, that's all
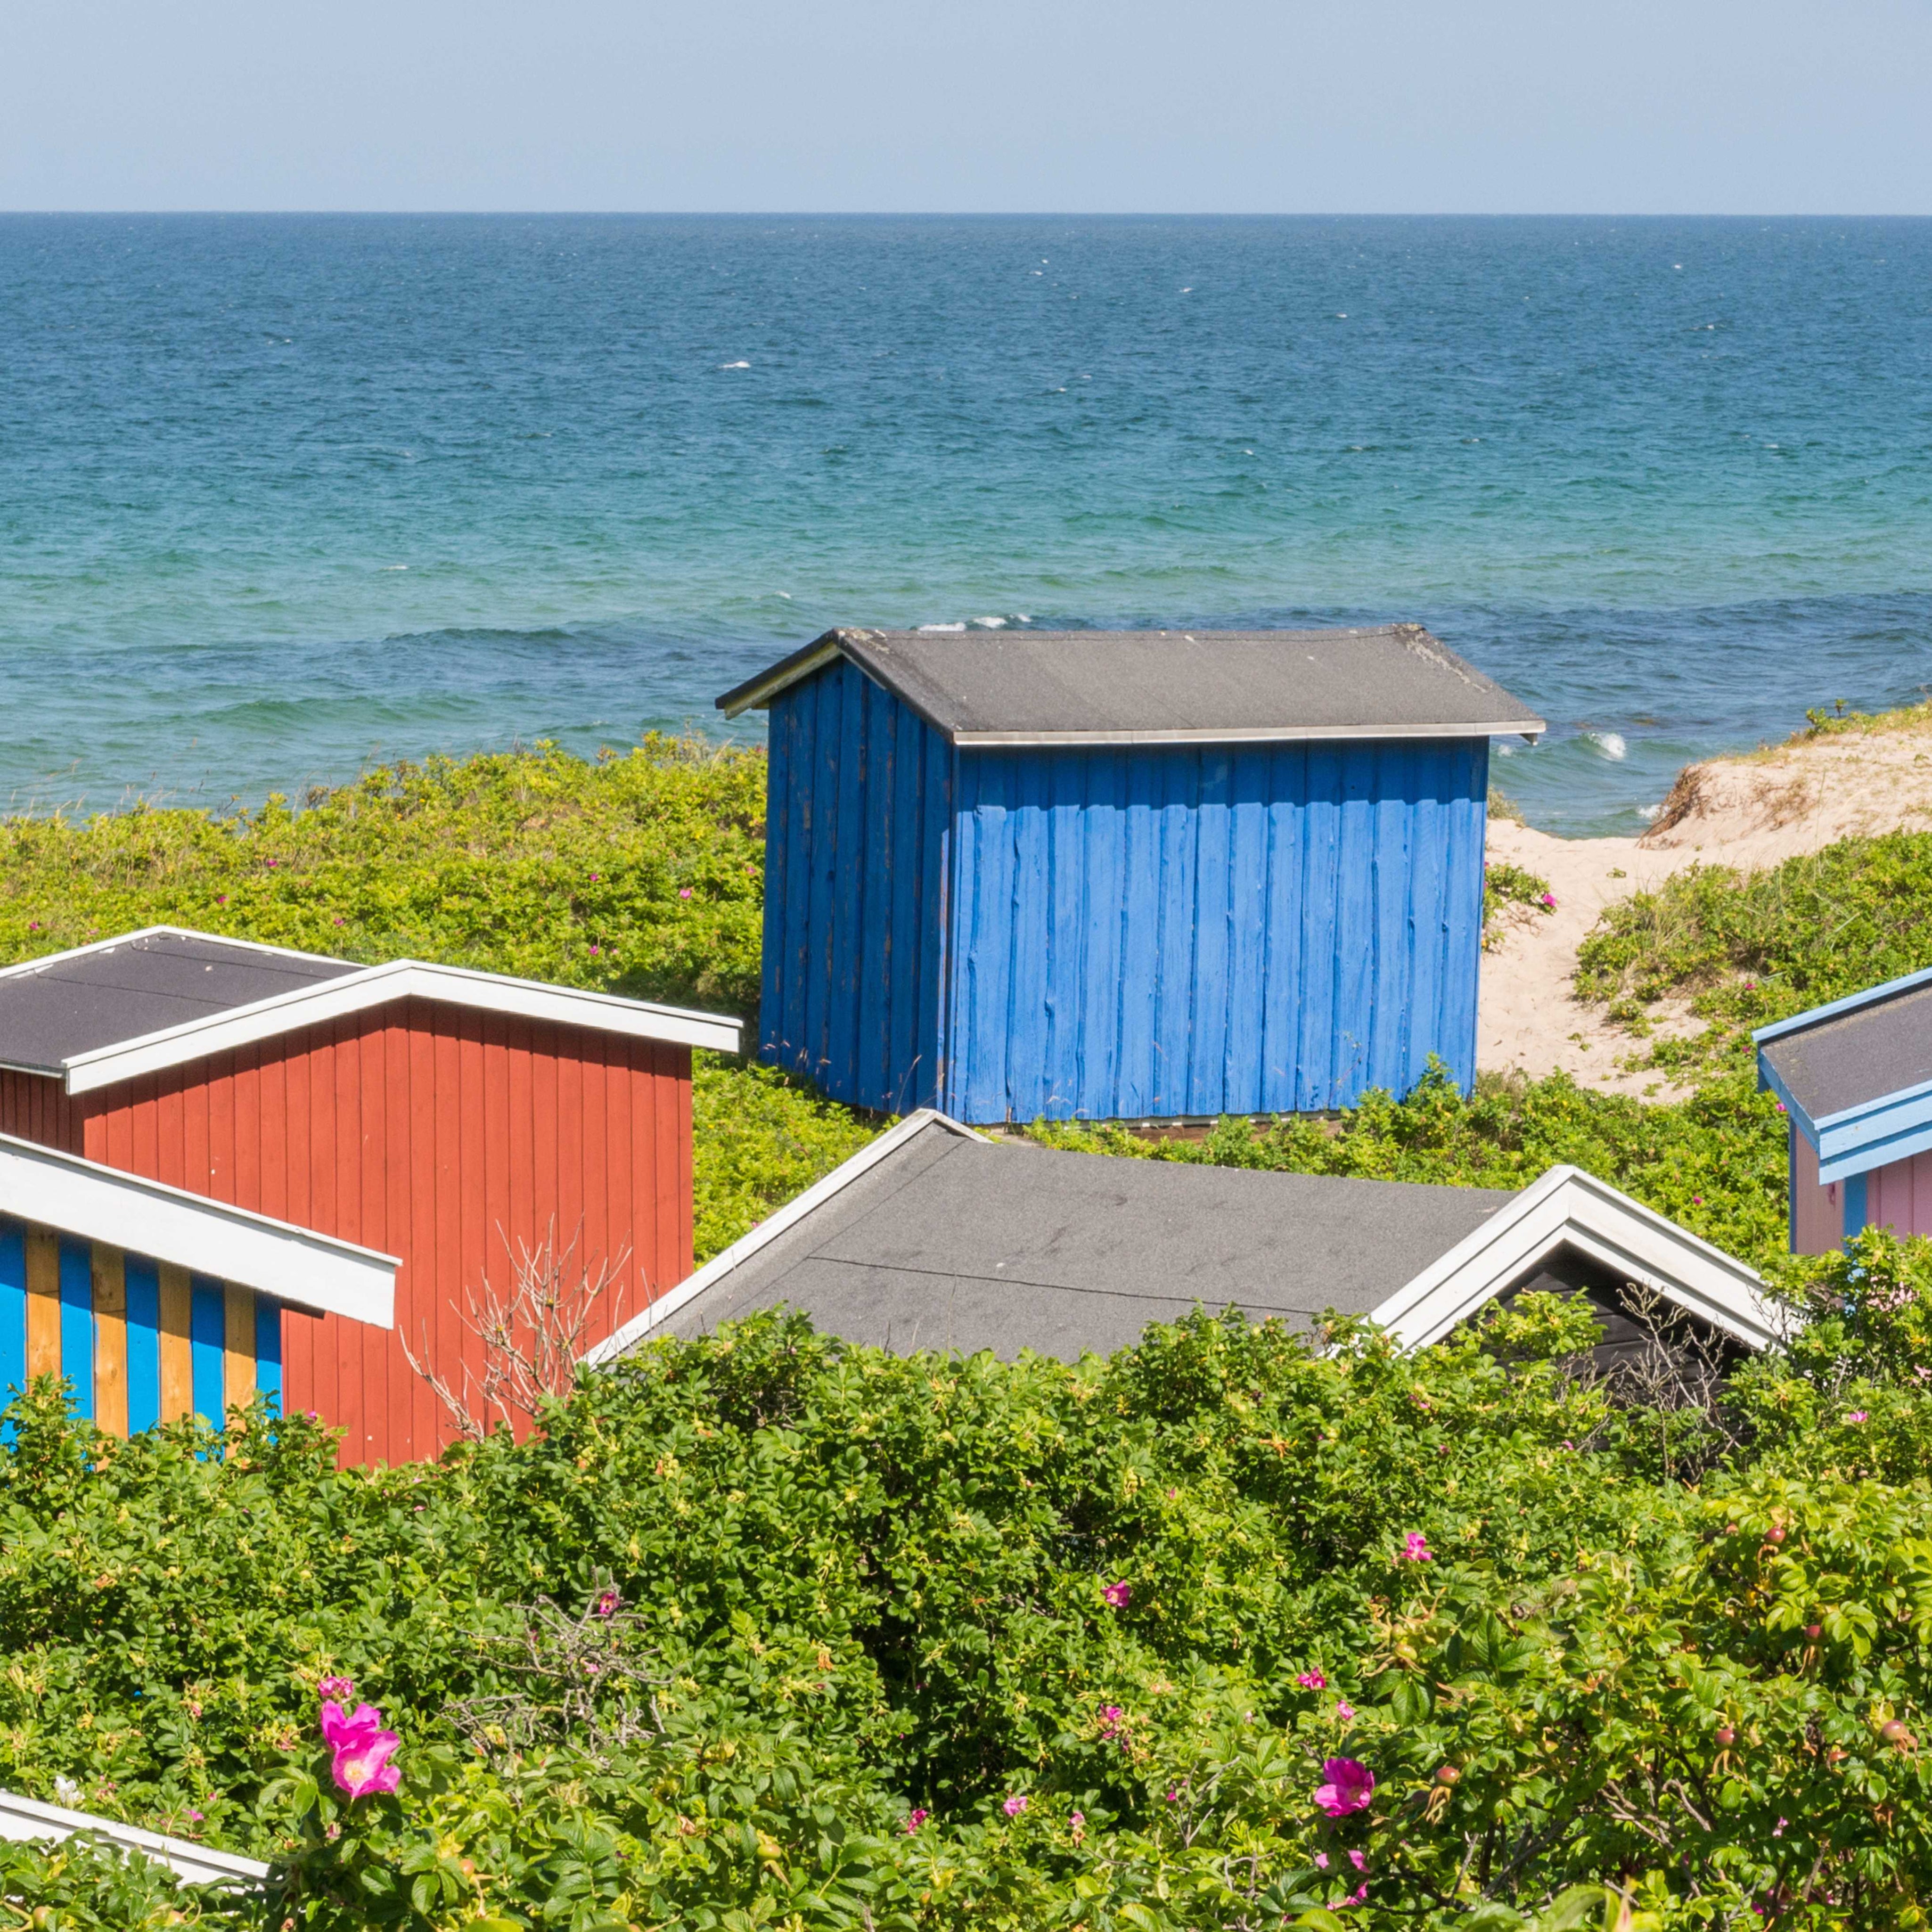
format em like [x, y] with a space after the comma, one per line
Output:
[1504, 105]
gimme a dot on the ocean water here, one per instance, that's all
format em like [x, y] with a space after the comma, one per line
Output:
[282, 496]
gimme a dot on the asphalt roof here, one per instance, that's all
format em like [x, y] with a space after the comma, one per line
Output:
[1115, 687]
[955, 1243]
[101, 995]
[1857, 1056]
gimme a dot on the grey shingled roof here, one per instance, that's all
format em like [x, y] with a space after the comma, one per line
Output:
[1858, 1057]
[1136, 687]
[99, 996]
[951, 1242]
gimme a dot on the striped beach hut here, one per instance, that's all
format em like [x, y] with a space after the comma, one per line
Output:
[1091, 875]
[154, 1303]
[455, 1119]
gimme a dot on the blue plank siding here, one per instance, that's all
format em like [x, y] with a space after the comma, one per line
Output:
[268, 1349]
[857, 834]
[1113, 932]
[77, 1323]
[144, 1345]
[208, 1334]
[13, 1311]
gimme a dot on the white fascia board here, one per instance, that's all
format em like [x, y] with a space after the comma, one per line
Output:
[377, 985]
[1252, 734]
[52, 1190]
[714, 1271]
[758, 695]
[1567, 1207]
[28, 1820]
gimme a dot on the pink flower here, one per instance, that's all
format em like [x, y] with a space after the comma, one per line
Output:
[1778, 1830]
[1311, 1680]
[1115, 1596]
[1415, 1548]
[1321, 1861]
[362, 1749]
[1858, 1415]
[595, 949]
[1110, 1719]
[335, 1687]
[607, 1604]
[684, 892]
[1014, 1805]
[1355, 1898]
[1173, 1796]
[1078, 1822]
[1549, 900]
[1349, 1787]
[918, 1818]
[1345, 1712]
[1360, 1860]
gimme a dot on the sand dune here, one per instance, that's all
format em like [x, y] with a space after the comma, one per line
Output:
[1749, 812]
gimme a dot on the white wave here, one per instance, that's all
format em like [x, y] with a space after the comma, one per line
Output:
[988, 623]
[942, 627]
[1505, 751]
[1610, 743]
[734, 365]
[388, 567]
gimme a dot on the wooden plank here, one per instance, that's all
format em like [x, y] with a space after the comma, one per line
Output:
[940, 942]
[790, 902]
[849, 912]
[1212, 899]
[12, 1309]
[1063, 1030]
[268, 1349]
[110, 1339]
[237, 1346]
[988, 868]
[141, 1286]
[1177, 788]
[871, 928]
[1140, 933]
[1241, 1015]
[76, 1311]
[177, 1351]
[819, 967]
[1354, 930]
[44, 1310]
[1390, 818]
[1287, 790]
[1103, 892]
[1022, 1035]
[207, 1336]
[1427, 832]
[1321, 856]
[907, 909]
[1462, 895]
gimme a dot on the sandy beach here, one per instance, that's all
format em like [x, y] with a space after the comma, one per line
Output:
[1750, 812]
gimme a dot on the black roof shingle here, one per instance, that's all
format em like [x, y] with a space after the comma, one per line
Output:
[1131, 687]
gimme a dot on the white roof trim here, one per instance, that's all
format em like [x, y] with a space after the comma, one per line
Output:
[27, 1819]
[376, 985]
[1254, 734]
[714, 1270]
[52, 1190]
[1568, 1207]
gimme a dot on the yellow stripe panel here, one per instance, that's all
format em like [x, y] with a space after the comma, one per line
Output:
[238, 1357]
[110, 1340]
[177, 1349]
[43, 1322]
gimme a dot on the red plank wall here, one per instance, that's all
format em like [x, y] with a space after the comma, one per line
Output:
[445, 1136]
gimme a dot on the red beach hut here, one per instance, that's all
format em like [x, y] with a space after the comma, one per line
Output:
[454, 1120]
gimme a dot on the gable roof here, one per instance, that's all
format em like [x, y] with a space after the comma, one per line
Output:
[934, 1237]
[52, 1190]
[158, 998]
[1166, 687]
[1855, 1075]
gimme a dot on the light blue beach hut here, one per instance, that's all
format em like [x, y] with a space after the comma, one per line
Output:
[1143, 874]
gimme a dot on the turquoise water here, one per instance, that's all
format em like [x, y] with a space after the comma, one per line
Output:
[281, 495]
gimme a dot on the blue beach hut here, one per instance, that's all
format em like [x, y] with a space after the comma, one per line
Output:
[1103, 875]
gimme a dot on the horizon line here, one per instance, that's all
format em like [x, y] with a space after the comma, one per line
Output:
[962, 215]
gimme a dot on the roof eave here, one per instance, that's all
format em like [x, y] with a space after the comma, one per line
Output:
[1529, 729]
[755, 693]
[378, 986]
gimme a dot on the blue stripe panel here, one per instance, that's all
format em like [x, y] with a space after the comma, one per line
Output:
[857, 844]
[77, 1323]
[208, 1327]
[144, 1345]
[1855, 1197]
[12, 1309]
[268, 1349]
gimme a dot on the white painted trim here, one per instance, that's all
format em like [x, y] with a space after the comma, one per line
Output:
[377, 985]
[24, 966]
[1568, 1207]
[27, 1819]
[1254, 734]
[714, 1270]
[52, 1190]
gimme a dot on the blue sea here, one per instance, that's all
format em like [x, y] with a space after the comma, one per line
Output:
[282, 496]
